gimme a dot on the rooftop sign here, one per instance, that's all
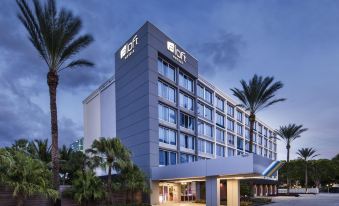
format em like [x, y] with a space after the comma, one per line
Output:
[128, 49]
[178, 55]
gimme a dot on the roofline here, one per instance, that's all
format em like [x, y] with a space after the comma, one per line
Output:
[99, 89]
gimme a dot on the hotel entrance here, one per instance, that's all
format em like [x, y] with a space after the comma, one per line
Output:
[167, 192]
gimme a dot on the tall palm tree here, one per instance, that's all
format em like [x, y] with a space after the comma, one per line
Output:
[55, 36]
[112, 154]
[256, 95]
[306, 154]
[288, 134]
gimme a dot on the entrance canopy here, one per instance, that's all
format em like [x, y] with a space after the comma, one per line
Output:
[242, 166]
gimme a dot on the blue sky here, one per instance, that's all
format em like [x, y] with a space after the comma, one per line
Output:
[297, 42]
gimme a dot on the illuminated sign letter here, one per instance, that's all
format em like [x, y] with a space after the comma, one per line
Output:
[178, 55]
[128, 49]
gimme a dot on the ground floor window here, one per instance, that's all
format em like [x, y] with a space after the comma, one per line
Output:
[186, 158]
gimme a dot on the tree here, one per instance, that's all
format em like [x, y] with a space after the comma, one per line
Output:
[41, 150]
[306, 154]
[111, 154]
[256, 95]
[133, 180]
[288, 134]
[55, 36]
[25, 175]
[86, 187]
[65, 156]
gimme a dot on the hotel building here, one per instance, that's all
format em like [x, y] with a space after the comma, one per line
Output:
[187, 135]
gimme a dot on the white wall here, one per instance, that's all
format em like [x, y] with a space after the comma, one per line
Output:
[108, 111]
[91, 121]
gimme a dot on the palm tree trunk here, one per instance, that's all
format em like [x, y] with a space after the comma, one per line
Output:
[306, 178]
[252, 121]
[288, 160]
[109, 184]
[52, 81]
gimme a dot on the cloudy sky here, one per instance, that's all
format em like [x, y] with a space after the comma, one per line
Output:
[297, 42]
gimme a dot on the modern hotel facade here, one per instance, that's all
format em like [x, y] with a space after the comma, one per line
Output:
[187, 135]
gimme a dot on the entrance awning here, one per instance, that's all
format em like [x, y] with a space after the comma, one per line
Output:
[242, 166]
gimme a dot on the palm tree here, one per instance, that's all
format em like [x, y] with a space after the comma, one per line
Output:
[55, 37]
[111, 154]
[288, 134]
[256, 95]
[65, 156]
[306, 154]
[25, 176]
[41, 150]
[86, 187]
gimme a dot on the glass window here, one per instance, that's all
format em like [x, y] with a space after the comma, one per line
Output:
[247, 134]
[270, 145]
[205, 129]
[247, 121]
[186, 158]
[247, 146]
[166, 69]
[167, 158]
[187, 121]
[200, 109]
[220, 120]
[230, 152]
[260, 139]
[201, 145]
[239, 129]
[220, 151]
[208, 113]
[186, 82]
[200, 91]
[209, 147]
[240, 143]
[230, 110]
[204, 111]
[166, 91]
[167, 114]
[220, 135]
[167, 136]
[260, 128]
[220, 103]
[265, 142]
[230, 139]
[239, 116]
[265, 152]
[205, 94]
[265, 132]
[187, 141]
[186, 101]
[230, 124]
[208, 96]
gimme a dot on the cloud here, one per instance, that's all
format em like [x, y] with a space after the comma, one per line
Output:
[223, 53]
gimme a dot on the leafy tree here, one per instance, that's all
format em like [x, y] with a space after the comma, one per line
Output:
[133, 180]
[65, 155]
[256, 95]
[306, 154]
[288, 134]
[55, 36]
[111, 154]
[87, 187]
[41, 150]
[25, 175]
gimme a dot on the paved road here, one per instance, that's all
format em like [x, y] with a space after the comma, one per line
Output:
[322, 199]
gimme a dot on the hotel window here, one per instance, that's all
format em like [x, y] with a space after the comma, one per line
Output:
[204, 111]
[239, 129]
[220, 103]
[167, 158]
[255, 126]
[265, 132]
[247, 146]
[230, 139]
[167, 114]
[186, 158]
[187, 141]
[230, 152]
[220, 120]
[209, 147]
[247, 134]
[220, 151]
[270, 134]
[265, 152]
[187, 121]
[166, 69]
[186, 82]
[265, 142]
[166, 91]
[204, 94]
[205, 129]
[230, 124]
[270, 144]
[239, 152]
[201, 145]
[167, 136]
[274, 147]
[260, 151]
[220, 135]
[255, 149]
[270, 155]
[239, 116]
[230, 110]
[260, 129]
[254, 137]
[260, 139]
[247, 121]
[186, 101]
[240, 143]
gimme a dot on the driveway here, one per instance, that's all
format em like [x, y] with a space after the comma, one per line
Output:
[322, 199]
